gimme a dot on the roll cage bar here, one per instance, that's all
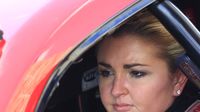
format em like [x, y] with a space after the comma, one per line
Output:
[171, 17]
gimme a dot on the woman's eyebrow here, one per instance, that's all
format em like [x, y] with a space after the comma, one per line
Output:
[104, 64]
[127, 66]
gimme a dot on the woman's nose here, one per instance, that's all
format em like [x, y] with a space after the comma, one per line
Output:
[119, 87]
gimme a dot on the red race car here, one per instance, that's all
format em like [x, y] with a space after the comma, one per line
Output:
[48, 60]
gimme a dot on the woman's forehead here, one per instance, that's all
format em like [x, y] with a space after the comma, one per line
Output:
[131, 48]
[127, 42]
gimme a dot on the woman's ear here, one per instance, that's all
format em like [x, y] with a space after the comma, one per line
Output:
[179, 82]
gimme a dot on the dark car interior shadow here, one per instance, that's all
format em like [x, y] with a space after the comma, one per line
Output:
[69, 96]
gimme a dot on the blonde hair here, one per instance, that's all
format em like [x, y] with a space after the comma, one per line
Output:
[149, 28]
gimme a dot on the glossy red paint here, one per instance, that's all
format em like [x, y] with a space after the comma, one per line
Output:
[30, 88]
[37, 92]
[40, 44]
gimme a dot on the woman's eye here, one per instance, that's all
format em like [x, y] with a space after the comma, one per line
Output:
[137, 74]
[105, 73]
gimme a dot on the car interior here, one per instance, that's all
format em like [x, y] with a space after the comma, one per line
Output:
[78, 88]
[73, 97]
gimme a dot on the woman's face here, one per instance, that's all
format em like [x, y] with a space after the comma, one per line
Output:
[132, 77]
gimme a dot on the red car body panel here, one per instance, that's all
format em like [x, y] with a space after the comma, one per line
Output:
[32, 53]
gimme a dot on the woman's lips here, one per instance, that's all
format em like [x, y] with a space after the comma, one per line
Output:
[123, 107]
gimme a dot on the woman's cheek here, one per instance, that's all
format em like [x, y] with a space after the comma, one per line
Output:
[105, 87]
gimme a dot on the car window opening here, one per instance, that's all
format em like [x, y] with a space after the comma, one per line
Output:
[78, 90]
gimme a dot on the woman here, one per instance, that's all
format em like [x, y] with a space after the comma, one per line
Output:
[137, 67]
